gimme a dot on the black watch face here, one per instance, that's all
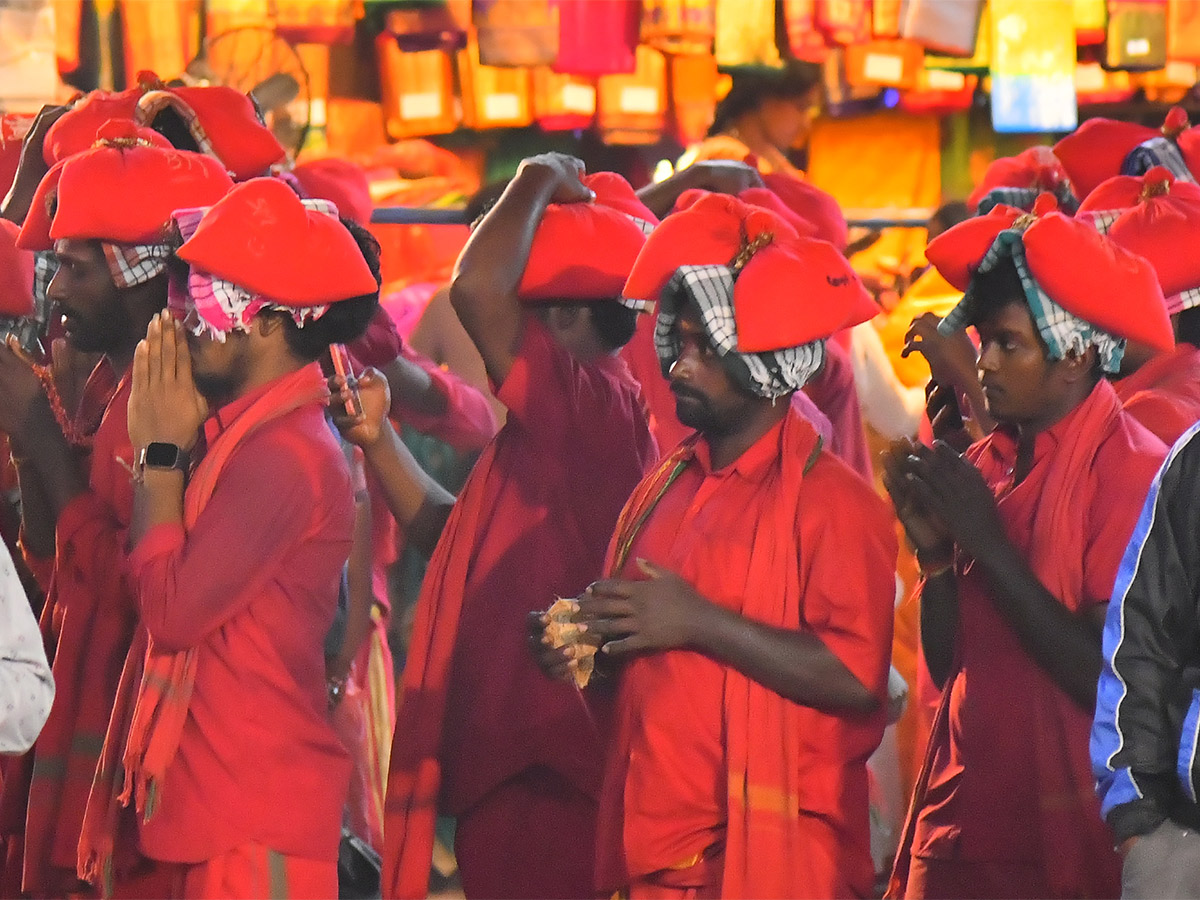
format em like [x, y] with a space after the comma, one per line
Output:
[161, 456]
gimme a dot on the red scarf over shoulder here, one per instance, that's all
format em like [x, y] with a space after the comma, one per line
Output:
[152, 700]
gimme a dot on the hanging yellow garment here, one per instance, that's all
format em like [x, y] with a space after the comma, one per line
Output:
[693, 95]
[930, 293]
[67, 16]
[162, 36]
[878, 162]
[746, 34]
[417, 90]
[632, 109]
[492, 97]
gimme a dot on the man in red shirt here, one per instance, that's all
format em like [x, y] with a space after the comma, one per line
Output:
[103, 211]
[242, 525]
[1019, 542]
[479, 731]
[750, 591]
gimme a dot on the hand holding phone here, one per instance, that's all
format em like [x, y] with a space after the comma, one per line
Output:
[341, 365]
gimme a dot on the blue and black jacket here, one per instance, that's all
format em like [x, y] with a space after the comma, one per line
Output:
[1147, 725]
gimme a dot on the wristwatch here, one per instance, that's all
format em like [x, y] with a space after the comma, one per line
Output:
[162, 455]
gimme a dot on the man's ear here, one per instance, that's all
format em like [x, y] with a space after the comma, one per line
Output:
[1080, 366]
[267, 323]
[563, 318]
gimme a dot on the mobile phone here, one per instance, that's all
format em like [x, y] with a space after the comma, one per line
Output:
[341, 365]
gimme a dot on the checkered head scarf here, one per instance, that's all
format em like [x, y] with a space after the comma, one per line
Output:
[1064, 333]
[710, 288]
[213, 307]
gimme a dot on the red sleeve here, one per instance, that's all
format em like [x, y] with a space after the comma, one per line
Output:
[848, 570]
[549, 392]
[90, 543]
[469, 421]
[380, 343]
[189, 584]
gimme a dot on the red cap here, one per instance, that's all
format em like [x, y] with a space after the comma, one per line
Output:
[123, 189]
[16, 273]
[1036, 168]
[1095, 151]
[341, 183]
[262, 237]
[1163, 226]
[584, 251]
[75, 130]
[767, 199]
[1126, 191]
[790, 291]
[613, 190]
[224, 123]
[813, 205]
[1094, 278]
[957, 252]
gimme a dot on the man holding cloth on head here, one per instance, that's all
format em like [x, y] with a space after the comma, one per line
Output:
[750, 587]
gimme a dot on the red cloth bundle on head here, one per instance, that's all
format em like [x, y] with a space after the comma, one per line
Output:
[341, 183]
[16, 273]
[788, 290]
[1095, 151]
[224, 124]
[584, 251]
[1162, 225]
[767, 199]
[123, 190]
[1036, 169]
[75, 131]
[261, 237]
[1075, 266]
[813, 205]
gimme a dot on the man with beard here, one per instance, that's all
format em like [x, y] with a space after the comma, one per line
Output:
[104, 213]
[747, 609]
[242, 524]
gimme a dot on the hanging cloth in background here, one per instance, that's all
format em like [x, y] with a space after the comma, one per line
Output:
[562, 102]
[844, 21]
[68, 16]
[597, 37]
[1136, 39]
[632, 109]
[1183, 30]
[679, 26]
[516, 32]
[946, 27]
[979, 61]
[694, 82]
[1033, 66]
[746, 34]
[887, 63]
[886, 16]
[492, 96]
[314, 21]
[161, 37]
[805, 41]
[1091, 22]
[417, 90]
[439, 26]
[28, 60]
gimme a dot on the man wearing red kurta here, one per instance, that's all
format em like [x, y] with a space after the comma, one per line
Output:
[241, 529]
[750, 588]
[514, 757]
[1019, 543]
[111, 283]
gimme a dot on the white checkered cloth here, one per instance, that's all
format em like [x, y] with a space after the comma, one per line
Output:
[134, 264]
[1158, 151]
[1024, 198]
[1101, 219]
[769, 375]
[45, 264]
[1188, 299]
[1064, 333]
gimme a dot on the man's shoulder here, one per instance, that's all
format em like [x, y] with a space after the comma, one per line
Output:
[298, 443]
